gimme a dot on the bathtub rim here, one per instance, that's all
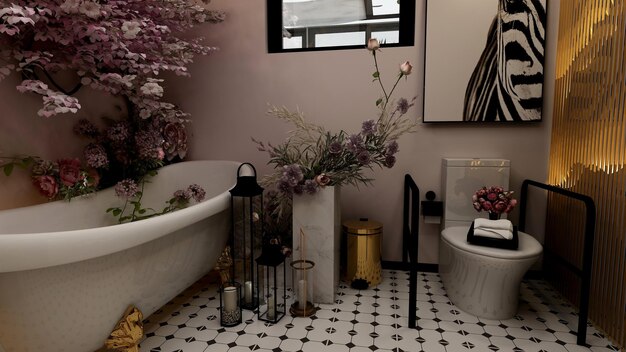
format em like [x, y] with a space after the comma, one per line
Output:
[28, 251]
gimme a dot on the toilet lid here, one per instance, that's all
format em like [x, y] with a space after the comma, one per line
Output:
[528, 246]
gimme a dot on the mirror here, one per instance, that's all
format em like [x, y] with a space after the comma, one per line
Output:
[308, 25]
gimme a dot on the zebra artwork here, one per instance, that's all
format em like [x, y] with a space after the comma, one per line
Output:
[507, 82]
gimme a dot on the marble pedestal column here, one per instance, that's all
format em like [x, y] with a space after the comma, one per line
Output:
[319, 216]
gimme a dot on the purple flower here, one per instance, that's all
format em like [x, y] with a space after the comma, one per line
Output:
[298, 189]
[392, 148]
[86, 128]
[403, 106]
[284, 187]
[96, 156]
[369, 127]
[354, 143]
[310, 186]
[197, 192]
[390, 161]
[292, 174]
[126, 188]
[364, 158]
[335, 147]
[119, 132]
[183, 195]
[148, 144]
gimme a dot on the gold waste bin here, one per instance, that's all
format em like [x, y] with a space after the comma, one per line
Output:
[363, 252]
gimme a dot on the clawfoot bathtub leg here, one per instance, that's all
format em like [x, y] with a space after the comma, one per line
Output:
[127, 333]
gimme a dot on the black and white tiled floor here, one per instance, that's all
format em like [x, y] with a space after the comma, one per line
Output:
[373, 320]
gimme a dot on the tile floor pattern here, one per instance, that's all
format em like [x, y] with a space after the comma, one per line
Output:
[373, 320]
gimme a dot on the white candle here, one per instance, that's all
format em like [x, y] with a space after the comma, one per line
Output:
[302, 294]
[247, 292]
[271, 310]
[230, 299]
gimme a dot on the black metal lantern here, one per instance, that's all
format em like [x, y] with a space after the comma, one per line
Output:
[246, 204]
[268, 264]
[230, 304]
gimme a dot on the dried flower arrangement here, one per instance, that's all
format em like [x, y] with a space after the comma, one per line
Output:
[312, 157]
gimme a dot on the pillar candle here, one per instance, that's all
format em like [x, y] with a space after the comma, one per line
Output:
[271, 309]
[247, 292]
[302, 294]
[230, 299]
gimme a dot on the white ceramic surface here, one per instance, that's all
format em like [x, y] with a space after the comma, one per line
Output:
[319, 215]
[484, 281]
[67, 273]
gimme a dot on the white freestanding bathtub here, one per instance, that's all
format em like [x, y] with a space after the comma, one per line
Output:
[68, 270]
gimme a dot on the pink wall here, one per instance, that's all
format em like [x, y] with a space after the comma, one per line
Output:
[230, 90]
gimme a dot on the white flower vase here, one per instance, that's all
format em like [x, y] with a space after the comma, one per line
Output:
[319, 216]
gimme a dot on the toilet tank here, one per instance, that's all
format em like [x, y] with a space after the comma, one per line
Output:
[461, 178]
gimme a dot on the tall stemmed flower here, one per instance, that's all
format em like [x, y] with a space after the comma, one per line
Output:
[405, 69]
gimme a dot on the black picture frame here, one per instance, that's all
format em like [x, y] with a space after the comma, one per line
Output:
[275, 29]
[471, 86]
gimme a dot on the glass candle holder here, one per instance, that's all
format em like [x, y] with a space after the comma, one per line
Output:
[303, 288]
[230, 304]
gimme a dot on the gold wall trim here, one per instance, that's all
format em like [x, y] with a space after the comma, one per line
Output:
[588, 153]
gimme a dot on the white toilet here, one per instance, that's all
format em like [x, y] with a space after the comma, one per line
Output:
[482, 281]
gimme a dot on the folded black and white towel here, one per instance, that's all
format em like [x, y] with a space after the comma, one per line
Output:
[493, 228]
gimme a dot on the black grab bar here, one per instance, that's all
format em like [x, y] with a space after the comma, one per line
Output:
[585, 272]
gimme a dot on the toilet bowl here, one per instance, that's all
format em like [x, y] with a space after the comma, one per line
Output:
[484, 281]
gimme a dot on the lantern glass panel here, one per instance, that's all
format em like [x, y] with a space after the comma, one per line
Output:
[247, 230]
[272, 287]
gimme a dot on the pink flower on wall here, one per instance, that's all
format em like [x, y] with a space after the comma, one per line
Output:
[69, 171]
[46, 185]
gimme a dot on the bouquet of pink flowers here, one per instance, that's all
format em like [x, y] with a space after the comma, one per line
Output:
[494, 200]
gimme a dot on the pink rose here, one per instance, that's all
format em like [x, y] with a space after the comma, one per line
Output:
[500, 206]
[373, 44]
[486, 206]
[322, 179]
[492, 196]
[406, 68]
[46, 185]
[175, 140]
[512, 204]
[69, 171]
[477, 206]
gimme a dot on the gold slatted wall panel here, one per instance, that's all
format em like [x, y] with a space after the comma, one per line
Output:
[588, 153]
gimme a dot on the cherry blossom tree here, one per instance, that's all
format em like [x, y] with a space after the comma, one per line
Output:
[117, 46]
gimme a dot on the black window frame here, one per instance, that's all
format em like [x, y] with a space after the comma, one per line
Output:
[275, 28]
